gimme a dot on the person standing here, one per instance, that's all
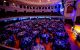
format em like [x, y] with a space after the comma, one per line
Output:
[38, 46]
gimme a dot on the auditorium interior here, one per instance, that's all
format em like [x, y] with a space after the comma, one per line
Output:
[39, 24]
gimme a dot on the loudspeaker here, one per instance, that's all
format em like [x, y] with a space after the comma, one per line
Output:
[69, 21]
[77, 20]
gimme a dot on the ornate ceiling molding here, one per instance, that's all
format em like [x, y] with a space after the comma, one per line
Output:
[37, 2]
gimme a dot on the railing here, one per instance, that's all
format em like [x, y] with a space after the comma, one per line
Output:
[7, 48]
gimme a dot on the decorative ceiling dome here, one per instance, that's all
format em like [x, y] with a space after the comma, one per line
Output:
[38, 2]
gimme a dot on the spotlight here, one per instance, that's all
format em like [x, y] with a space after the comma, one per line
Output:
[76, 31]
[77, 28]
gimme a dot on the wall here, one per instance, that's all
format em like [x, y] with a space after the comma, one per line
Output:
[78, 8]
[72, 15]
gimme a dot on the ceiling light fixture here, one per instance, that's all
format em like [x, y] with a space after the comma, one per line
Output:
[4, 0]
[40, 1]
[48, 0]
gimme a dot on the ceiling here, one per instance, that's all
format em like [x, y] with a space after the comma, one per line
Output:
[37, 2]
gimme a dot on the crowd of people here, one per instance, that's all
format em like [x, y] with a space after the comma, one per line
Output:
[43, 34]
